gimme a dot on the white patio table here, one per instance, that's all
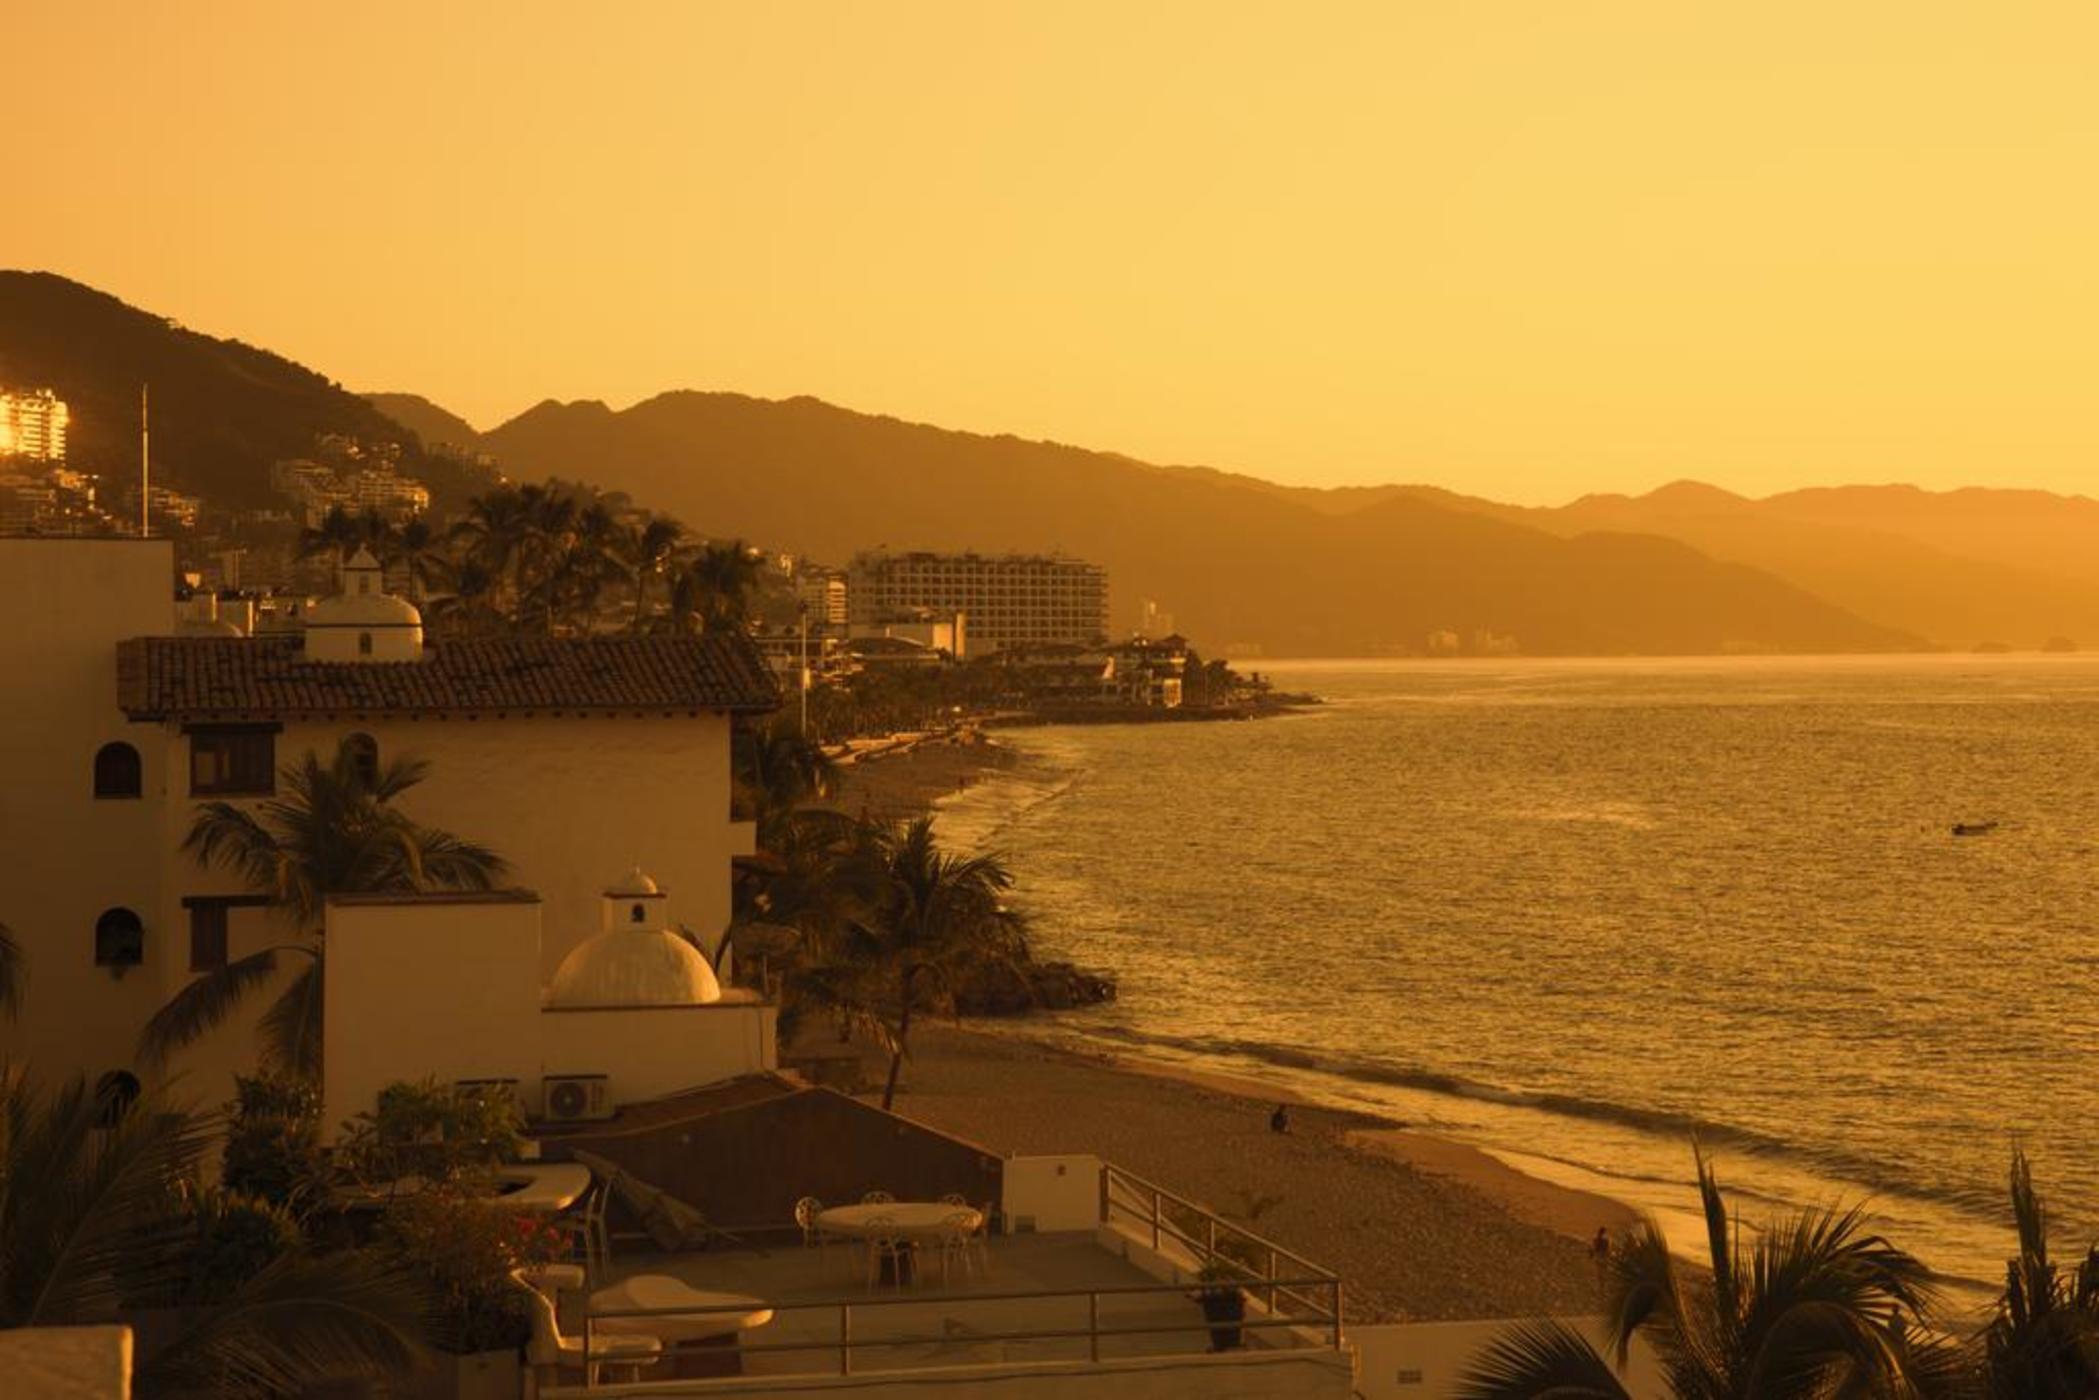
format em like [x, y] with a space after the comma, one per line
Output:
[923, 1221]
[542, 1188]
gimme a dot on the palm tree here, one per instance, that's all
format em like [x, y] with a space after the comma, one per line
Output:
[86, 1226]
[334, 832]
[712, 588]
[1814, 1308]
[777, 771]
[649, 551]
[928, 917]
[2043, 1343]
[417, 548]
[494, 535]
[342, 533]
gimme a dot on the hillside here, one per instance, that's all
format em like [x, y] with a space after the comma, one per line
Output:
[435, 426]
[222, 410]
[1238, 563]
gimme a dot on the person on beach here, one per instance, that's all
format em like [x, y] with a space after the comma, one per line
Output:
[1279, 1121]
[1600, 1251]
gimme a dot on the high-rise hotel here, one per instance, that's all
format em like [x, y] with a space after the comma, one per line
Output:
[1007, 600]
[32, 425]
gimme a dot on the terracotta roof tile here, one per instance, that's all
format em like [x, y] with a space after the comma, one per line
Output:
[270, 677]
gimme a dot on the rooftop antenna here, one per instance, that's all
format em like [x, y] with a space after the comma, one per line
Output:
[145, 468]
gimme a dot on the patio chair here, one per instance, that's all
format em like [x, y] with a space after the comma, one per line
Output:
[896, 1250]
[955, 1233]
[805, 1212]
[878, 1198]
[550, 1352]
[980, 1239]
[954, 1198]
[585, 1227]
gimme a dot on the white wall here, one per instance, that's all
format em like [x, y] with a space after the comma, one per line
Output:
[64, 856]
[1239, 1375]
[650, 1051]
[1423, 1360]
[66, 1363]
[1055, 1192]
[420, 987]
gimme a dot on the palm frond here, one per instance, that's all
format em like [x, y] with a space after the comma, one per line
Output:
[14, 971]
[291, 1029]
[1541, 1360]
[206, 1003]
[299, 1322]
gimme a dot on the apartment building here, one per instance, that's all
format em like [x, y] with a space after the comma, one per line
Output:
[1007, 600]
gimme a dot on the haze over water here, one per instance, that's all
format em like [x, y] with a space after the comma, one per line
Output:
[1578, 911]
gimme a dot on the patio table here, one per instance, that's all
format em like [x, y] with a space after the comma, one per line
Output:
[922, 1221]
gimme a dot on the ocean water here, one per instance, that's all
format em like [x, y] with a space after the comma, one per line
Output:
[1580, 913]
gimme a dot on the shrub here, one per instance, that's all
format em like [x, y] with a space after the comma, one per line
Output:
[437, 1132]
[273, 1141]
[467, 1248]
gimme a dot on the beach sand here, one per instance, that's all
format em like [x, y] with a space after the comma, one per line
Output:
[1419, 1228]
[900, 786]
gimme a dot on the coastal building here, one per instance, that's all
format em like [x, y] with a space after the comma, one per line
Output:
[1149, 673]
[921, 627]
[822, 592]
[571, 757]
[1009, 599]
[33, 425]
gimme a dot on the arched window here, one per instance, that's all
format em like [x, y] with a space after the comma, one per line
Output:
[363, 751]
[115, 1093]
[117, 771]
[120, 939]
[639, 914]
[364, 644]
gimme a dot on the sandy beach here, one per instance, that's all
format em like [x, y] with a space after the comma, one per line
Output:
[899, 786]
[1420, 1228]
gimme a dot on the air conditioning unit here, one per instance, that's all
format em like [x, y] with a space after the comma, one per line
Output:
[576, 1098]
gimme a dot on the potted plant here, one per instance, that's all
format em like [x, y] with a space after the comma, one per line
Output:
[467, 1247]
[1223, 1303]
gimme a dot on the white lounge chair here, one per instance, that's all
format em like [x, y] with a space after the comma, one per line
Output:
[550, 1352]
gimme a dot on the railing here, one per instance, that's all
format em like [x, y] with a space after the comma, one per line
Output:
[845, 1347]
[1254, 1261]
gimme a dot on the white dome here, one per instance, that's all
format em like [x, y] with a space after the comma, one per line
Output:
[634, 967]
[636, 882]
[363, 610]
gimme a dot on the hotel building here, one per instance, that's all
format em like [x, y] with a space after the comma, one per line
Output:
[32, 425]
[1008, 600]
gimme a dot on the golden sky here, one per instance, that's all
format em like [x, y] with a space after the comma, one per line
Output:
[1521, 249]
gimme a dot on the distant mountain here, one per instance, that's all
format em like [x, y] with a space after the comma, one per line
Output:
[436, 427]
[222, 411]
[1957, 567]
[1237, 561]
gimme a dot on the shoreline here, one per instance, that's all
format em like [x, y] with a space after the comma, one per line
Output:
[1422, 1228]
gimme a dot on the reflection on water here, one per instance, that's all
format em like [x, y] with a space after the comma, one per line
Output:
[1584, 910]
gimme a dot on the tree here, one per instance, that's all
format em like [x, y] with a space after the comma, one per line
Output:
[2043, 1342]
[928, 917]
[649, 551]
[14, 972]
[335, 831]
[342, 533]
[776, 771]
[712, 588]
[90, 1222]
[1814, 1308]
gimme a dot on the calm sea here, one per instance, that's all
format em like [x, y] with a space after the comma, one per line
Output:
[1579, 912]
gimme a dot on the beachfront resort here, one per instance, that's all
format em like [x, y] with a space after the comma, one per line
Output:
[565, 1019]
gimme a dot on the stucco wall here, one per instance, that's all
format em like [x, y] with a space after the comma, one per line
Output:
[1053, 1193]
[447, 988]
[1295, 1375]
[66, 1363]
[648, 1052]
[65, 857]
[1423, 1360]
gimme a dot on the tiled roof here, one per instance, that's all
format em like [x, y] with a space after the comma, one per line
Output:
[270, 677]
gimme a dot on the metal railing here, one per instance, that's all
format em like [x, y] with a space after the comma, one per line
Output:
[845, 1347]
[1253, 1261]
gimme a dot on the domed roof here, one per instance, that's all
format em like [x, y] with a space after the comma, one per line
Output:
[363, 610]
[208, 627]
[634, 967]
[636, 882]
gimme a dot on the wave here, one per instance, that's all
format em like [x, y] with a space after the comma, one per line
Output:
[1877, 1177]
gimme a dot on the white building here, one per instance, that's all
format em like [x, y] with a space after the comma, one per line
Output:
[33, 425]
[572, 758]
[1010, 599]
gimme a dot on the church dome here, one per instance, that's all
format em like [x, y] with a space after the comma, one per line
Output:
[634, 967]
[362, 621]
[634, 960]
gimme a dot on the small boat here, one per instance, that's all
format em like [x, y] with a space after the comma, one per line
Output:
[1973, 828]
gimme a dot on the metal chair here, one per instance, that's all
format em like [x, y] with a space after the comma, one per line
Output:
[954, 1198]
[806, 1210]
[878, 1198]
[881, 1246]
[955, 1233]
[586, 1227]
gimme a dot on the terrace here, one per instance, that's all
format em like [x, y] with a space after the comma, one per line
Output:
[1094, 1292]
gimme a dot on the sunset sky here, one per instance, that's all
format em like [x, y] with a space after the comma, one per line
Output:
[1522, 249]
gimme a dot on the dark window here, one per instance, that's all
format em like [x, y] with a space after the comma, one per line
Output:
[117, 771]
[364, 644]
[115, 1093]
[233, 761]
[363, 753]
[207, 937]
[120, 939]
